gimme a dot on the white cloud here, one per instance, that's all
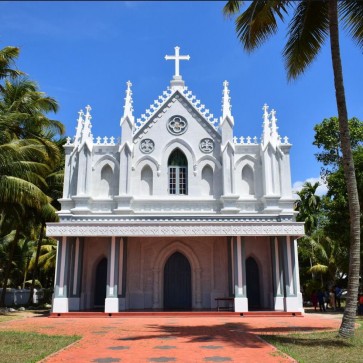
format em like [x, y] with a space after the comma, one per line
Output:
[298, 185]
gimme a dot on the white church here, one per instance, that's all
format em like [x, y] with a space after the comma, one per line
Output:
[178, 214]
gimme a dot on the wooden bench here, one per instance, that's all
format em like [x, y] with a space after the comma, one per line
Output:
[230, 303]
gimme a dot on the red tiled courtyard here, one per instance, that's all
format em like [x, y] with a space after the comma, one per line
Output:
[171, 339]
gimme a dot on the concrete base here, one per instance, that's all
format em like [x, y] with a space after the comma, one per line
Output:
[74, 303]
[279, 304]
[60, 305]
[292, 304]
[111, 305]
[240, 304]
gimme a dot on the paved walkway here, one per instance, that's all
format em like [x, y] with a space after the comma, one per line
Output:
[197, 339]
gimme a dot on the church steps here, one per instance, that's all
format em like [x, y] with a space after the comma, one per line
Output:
[174, 314]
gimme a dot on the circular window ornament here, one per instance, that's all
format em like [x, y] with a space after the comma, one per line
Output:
[206, 145]
[177, 125]
[147, 146]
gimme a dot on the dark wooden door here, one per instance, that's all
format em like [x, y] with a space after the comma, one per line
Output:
[253, 284]
[177, 283]
[100, 283]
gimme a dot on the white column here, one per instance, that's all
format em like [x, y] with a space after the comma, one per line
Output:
[293, 301]
[278, 279]
[74, 299]
[111, 302]
[240, 298]
[60, 301]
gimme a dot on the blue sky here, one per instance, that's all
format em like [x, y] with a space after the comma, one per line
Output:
[84, 52]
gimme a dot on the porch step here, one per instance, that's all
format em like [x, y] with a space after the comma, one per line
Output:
[175, 314]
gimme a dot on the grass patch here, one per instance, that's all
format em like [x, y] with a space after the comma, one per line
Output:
[320, 347]
[21, 347]
[7, 318]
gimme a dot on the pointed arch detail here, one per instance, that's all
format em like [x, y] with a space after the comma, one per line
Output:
[159, 265]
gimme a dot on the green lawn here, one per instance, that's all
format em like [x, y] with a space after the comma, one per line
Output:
[20, 347]
[320, 347]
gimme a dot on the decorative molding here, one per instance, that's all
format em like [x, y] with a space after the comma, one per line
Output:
[147, 146]
[177, 125]
[175, 228]
[206, 145]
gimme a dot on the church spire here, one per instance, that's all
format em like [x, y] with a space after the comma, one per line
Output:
[266, 126]
[86, 131]
[226, 104]
[274, 133]
[226, 101]
[128, 108]
[80, 123]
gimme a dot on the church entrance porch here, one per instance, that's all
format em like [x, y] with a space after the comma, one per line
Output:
[170, 274]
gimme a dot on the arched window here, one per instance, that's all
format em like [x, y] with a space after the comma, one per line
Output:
[146, 180]
[105, 187]
[178, 167]
[207, 180]
[248, 182]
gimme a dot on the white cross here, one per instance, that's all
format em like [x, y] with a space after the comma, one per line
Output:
[177, 58]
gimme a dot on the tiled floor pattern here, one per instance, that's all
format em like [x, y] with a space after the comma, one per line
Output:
[109, 340]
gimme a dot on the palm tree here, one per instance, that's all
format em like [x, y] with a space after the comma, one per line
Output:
[308, 206]
[23, 110]
[7, 58]
[311, 24]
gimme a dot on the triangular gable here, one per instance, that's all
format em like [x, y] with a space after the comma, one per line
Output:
[191, 104]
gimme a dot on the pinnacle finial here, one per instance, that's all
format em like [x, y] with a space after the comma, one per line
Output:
[226, 101]
[87, 126]
[274, 133]
[80, 123]
[128, 108]
[88, 109]
[266, 125]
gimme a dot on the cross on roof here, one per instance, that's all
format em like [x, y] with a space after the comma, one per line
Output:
[177, 57]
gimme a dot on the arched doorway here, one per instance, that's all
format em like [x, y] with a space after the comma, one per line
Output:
[253, 284]
[177, 283]
[100, 283]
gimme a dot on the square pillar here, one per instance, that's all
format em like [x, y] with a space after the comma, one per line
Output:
[60, 300]
[116, 276]
[239, 274]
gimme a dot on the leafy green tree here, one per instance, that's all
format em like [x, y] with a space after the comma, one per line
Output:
[30, 160]
[335, 203]
[311, 24]
[327, 140]
[308, 206]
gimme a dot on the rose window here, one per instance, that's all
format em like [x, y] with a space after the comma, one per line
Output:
[206, 145]
[177, 125]
[147, 146]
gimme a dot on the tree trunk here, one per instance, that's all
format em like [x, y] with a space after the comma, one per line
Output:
[8, 266]
[347, 326]
[35, 272]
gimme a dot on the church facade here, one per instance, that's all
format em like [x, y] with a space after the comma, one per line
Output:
[177, 213]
